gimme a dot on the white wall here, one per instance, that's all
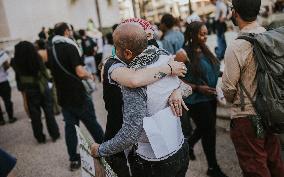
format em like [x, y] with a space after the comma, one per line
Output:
[109, 14]
[26, 17]
[81, 11]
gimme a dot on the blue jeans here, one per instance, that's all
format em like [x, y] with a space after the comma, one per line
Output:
[7, 163]
[72, 115]
[221, 41]
[174, 166]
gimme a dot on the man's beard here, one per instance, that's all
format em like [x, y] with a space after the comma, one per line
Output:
[233, 19]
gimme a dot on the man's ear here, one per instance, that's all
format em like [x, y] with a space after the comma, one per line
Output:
[128, 54]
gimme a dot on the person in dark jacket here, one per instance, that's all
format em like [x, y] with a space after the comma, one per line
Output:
[32, 80]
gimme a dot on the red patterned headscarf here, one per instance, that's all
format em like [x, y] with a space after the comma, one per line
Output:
[148, 28]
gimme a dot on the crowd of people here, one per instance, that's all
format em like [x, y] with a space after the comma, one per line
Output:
[148, 72]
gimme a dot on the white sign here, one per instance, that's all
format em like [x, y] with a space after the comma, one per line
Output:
[87, 161]
[164, 132]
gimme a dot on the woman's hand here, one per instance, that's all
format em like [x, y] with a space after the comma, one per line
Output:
[176, 102]
[206, 90]
[177, 68]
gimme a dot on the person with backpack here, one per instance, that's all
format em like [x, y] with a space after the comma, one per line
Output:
[33, 81]
[257, 148]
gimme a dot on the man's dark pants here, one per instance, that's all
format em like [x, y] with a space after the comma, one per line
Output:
[5, 93]
[37, 100]
[72, 115]
[118, 163]
[257, 157]
[174, 166]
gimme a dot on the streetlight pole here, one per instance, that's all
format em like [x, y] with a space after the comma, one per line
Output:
[98, 14]
[134, 8]
[189, 7]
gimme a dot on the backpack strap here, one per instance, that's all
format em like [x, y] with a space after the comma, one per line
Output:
[242, 97]
[248, 37]
[243, 89]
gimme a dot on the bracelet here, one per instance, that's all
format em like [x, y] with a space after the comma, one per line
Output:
[99, 155]
[171, 69]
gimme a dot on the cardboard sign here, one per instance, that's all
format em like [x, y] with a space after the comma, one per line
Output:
[92, 167]
[87, 161]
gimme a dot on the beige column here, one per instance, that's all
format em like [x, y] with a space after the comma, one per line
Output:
[4, 28]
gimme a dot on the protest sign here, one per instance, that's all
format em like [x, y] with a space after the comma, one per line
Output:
[87, 161]
[92, 167]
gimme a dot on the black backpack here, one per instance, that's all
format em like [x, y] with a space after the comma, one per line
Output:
[268, 49]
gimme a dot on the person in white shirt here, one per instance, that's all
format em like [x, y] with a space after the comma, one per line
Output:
[5, 89]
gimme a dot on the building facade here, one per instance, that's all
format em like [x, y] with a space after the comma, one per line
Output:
[24, 18]
[152, 10]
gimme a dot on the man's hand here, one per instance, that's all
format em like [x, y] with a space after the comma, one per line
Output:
[176, 102]
[178, 68]
[204, 89]
[95, 150]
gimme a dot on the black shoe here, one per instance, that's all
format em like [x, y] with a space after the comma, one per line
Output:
[75, 165]
[191, 154]
[215, 172]
[2, 122]
[55, 139]
[42, 140]
[12, 120]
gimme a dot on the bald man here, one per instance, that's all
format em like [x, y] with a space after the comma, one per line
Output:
[132, 78]
[131, 49]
